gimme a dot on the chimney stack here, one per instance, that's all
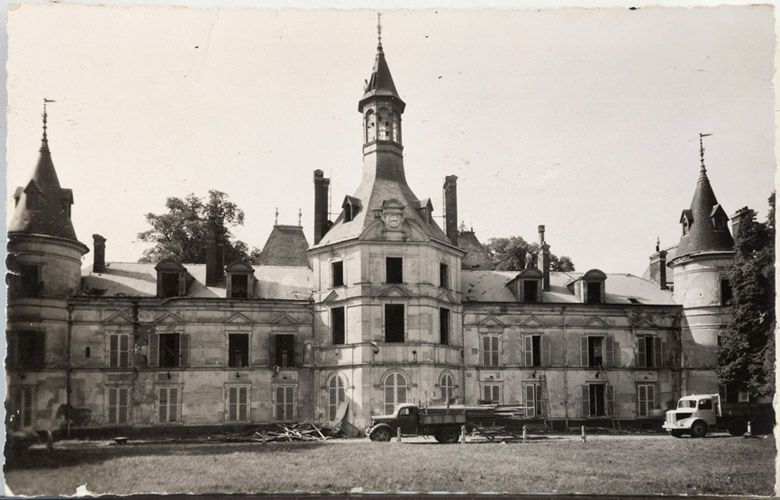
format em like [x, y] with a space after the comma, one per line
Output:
[658, 266]
[215, 252]
[543, 259]
[742, 215]
[99, 262]
[451, 208]
[321, 188]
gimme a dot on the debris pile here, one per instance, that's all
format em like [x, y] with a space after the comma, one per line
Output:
[305, 431]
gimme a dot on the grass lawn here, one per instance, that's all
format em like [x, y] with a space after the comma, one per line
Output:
[605, 465]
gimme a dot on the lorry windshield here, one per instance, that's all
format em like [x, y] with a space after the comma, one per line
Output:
[686, 403]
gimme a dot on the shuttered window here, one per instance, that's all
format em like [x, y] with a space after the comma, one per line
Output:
[21, 411]
[491, 393]
[597, 351]
[533, 400]
[649, 352]
[598, 400]
[284, 402]
[238, 403]
[645, 399]
[168, 405]
[336, 395]
[119, 351]
[490, 351]
[118, 405]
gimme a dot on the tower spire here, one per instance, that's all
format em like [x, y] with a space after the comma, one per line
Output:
[379, 31]
[45, 139]
[701, 151]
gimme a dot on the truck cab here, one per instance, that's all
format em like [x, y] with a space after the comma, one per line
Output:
[441, 423]
[694, 415]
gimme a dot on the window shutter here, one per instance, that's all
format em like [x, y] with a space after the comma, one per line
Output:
[641, 356]
[530, 404]
[184, 350]
[297, 351]
[584, 351]
[154, 344]
[528, 341]
[651, 404]
[546, 350]
[659, 354]
[585, 401]
[611, 400]
[610, 351]
[523, 349]
[272, 351]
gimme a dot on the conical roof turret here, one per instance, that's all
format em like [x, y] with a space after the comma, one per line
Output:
[43, 206]
[380, 83]
[705, 224]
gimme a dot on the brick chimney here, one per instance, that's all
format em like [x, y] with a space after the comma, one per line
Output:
[215, 252]
[451, 208]
[99, 256]
[543, 259]
[321, 188]
[741, 215]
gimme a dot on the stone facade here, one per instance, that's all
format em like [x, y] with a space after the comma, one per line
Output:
[384, 308]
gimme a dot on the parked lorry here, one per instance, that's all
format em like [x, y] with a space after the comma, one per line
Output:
[698, 414]
[442, 422]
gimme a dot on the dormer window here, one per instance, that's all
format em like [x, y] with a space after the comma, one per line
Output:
[240, 281]
[685, 227]
[593, 287]
[719, 218]
[530, 291]
[686, 219]
[171, 279]
[350, 208]
[527, 286]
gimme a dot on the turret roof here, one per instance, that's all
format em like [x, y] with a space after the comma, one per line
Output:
[286, 246]
[702, 233]
[381, 81]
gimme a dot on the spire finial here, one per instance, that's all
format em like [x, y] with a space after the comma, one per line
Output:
[701, 151]
[276, 217]
[45, 139]
[657, 243]
[300, 216]
[379, 30]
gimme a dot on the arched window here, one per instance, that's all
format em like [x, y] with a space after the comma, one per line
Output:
[447, 385]
[370, 126]
[397, 128]
[384, 125]
[336, 395]
[395, 391]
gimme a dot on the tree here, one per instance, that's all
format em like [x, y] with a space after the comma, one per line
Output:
[747, 351]
[181, 232]
[511, 254]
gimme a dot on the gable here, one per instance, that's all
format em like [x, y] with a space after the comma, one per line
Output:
[596, 321]
[239, 319]
[168, 318]
[446, 296]
[332, 296]
[491, 321]
[116, 317]
[532, 321]
[394, 291]
[284, 319]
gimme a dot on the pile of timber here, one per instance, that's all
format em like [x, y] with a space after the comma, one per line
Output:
[488, 415]
[305, 431]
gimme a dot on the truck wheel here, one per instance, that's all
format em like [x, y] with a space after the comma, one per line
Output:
[381, 434]
[737, 427]
[677, 434]
[698, 429]
[447, 437]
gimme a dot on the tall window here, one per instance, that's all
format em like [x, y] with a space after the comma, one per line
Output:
[533, 350]
[490, 351]
[27, 349]
[384, 125]
[645, 399]
[444, 326]
[21, 414]
[284, 402]
[118, 405]
[533, 400]
[395, 391]
[337, 273]
[598, 400]
[444, 275]
[285, 350]
[447, 387]
[238, 403]
[170, 285]
[337, 325]
[168, 405]
[119, 351]
[594, 292]
[394, 269]
[170, 344]
[394, 323]
[31, 280]
[725, 292]
[648, 351]
[491, 393]
[595, 351]
[336, 395]
[370, 126]
[238, 350]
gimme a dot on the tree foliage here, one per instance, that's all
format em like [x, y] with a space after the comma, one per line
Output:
[181, 232]
[513, 253]
[747, 352]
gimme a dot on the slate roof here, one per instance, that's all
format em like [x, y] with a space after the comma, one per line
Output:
[42, 206]
[490, 286]
[702, 235]
[133, 279]
[476, 256]
[286, 246]
[381, 81]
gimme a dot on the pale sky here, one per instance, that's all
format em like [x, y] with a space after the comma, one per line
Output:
[585, 120]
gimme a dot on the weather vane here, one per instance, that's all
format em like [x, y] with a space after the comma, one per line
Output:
[379, 29]
[276, 217]
[300, 216]
[701, 149]
[45, 139]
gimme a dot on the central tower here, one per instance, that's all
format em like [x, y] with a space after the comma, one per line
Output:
[388, 311]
